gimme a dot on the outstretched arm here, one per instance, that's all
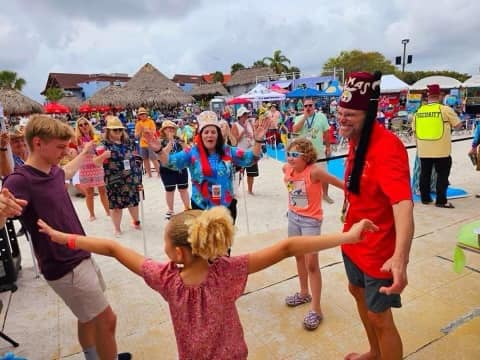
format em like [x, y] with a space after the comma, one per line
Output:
[318, 174]
[299, 245]
[128, 257]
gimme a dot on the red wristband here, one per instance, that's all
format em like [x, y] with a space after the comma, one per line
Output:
[71, 241]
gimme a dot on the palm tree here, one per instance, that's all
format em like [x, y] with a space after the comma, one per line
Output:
[218, 77]
[235, 67]
[54, 94]
[277, 62]
[10, 80]
[259, 63]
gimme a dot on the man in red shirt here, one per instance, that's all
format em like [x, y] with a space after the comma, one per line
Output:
[377, 187]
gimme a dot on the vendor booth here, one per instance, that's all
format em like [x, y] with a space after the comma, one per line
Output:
[472, 95]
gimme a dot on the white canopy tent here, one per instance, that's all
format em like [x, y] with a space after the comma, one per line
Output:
[261, 93]
[473, 82]
[392, 84]
[444, 82]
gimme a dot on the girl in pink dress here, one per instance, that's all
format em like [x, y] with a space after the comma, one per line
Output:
[200, 284]
[91, 176]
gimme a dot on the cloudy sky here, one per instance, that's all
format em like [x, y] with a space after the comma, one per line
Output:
[202, 36]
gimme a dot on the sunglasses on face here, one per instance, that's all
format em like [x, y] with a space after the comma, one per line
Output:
[83, 124]
[117, 130]
[294, 154]
[308, 105]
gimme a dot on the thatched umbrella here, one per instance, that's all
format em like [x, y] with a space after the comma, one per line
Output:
[72, 102]
[250, 76]
[206, 90]
[108, 96]
[15, 103]
[150, 87]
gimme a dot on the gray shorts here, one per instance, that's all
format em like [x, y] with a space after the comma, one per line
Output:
[82, 290]
[147, 153]
[375, 300]
[302, 225]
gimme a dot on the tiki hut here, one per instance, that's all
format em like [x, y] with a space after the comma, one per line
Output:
[244, 80]
[206, 91]
[15, 103]
[112, 95]
[149, 87]
[72, 102]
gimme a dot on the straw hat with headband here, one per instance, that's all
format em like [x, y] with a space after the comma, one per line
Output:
[361, 92]
[142, 111]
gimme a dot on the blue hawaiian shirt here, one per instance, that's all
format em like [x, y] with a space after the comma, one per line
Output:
[222, 172]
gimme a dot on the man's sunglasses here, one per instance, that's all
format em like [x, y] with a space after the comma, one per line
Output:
[308, 105]
[294, 154]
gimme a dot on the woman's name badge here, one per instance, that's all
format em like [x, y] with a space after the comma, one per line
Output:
[126, 165]
[216, 191]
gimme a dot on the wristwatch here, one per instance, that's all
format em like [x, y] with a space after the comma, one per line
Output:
[3, 149]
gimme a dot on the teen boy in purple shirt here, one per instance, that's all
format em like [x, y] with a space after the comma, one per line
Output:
[37, 191]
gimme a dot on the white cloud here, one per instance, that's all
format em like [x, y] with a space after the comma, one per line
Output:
[194, 36]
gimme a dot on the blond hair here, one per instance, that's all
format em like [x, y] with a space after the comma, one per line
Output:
[208, 233]
[306, 147]
[46, 128]
[78, 133]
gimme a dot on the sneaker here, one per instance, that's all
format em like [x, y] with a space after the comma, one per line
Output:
[168, 215]
[312, 320]
[124, 356]
[297, 299]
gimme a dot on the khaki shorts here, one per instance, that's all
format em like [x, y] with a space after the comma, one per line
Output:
[82, 290]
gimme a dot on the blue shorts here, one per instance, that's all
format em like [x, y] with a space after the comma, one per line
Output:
[302, 225]
[375, 300]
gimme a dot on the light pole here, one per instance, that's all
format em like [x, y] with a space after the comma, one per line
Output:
[404, 42]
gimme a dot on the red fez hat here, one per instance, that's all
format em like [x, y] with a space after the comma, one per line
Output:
[358, 90]
[433, 89]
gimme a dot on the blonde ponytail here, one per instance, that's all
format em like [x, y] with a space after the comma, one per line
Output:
[208, 233]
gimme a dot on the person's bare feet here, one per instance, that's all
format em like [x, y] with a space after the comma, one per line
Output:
[364, 356]
[92, 218]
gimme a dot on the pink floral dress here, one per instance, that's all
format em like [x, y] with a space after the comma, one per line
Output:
[90, 174]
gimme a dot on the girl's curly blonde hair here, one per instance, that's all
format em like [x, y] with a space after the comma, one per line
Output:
[209, 233]
[304, 146]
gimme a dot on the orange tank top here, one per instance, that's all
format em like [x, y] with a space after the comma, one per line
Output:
[304, 196]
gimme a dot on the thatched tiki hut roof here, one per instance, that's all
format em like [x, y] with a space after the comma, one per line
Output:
[107, 96]
[208, 90]
[150, 87]
[72, 102]
[249, 76]
[15, 103]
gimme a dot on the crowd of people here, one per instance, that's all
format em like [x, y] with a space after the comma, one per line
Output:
[201, 154]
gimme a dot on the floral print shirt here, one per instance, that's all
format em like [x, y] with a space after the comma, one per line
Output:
[221, 182]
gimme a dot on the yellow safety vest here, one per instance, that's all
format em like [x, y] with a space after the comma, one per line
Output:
[429, 122]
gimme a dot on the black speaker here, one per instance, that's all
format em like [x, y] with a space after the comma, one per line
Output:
[10, 258]
[398, 60]
[409, 59]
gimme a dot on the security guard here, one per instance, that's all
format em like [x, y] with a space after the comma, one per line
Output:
[432, 125]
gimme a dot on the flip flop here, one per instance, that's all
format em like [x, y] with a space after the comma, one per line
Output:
[445, 206]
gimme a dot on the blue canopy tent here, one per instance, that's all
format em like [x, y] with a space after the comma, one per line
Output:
[333, 89]
[303, 93]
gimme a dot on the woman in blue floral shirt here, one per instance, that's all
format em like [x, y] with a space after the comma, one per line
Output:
[211, 162]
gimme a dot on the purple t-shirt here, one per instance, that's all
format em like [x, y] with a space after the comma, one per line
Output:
[49, 200]
[205, 318]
